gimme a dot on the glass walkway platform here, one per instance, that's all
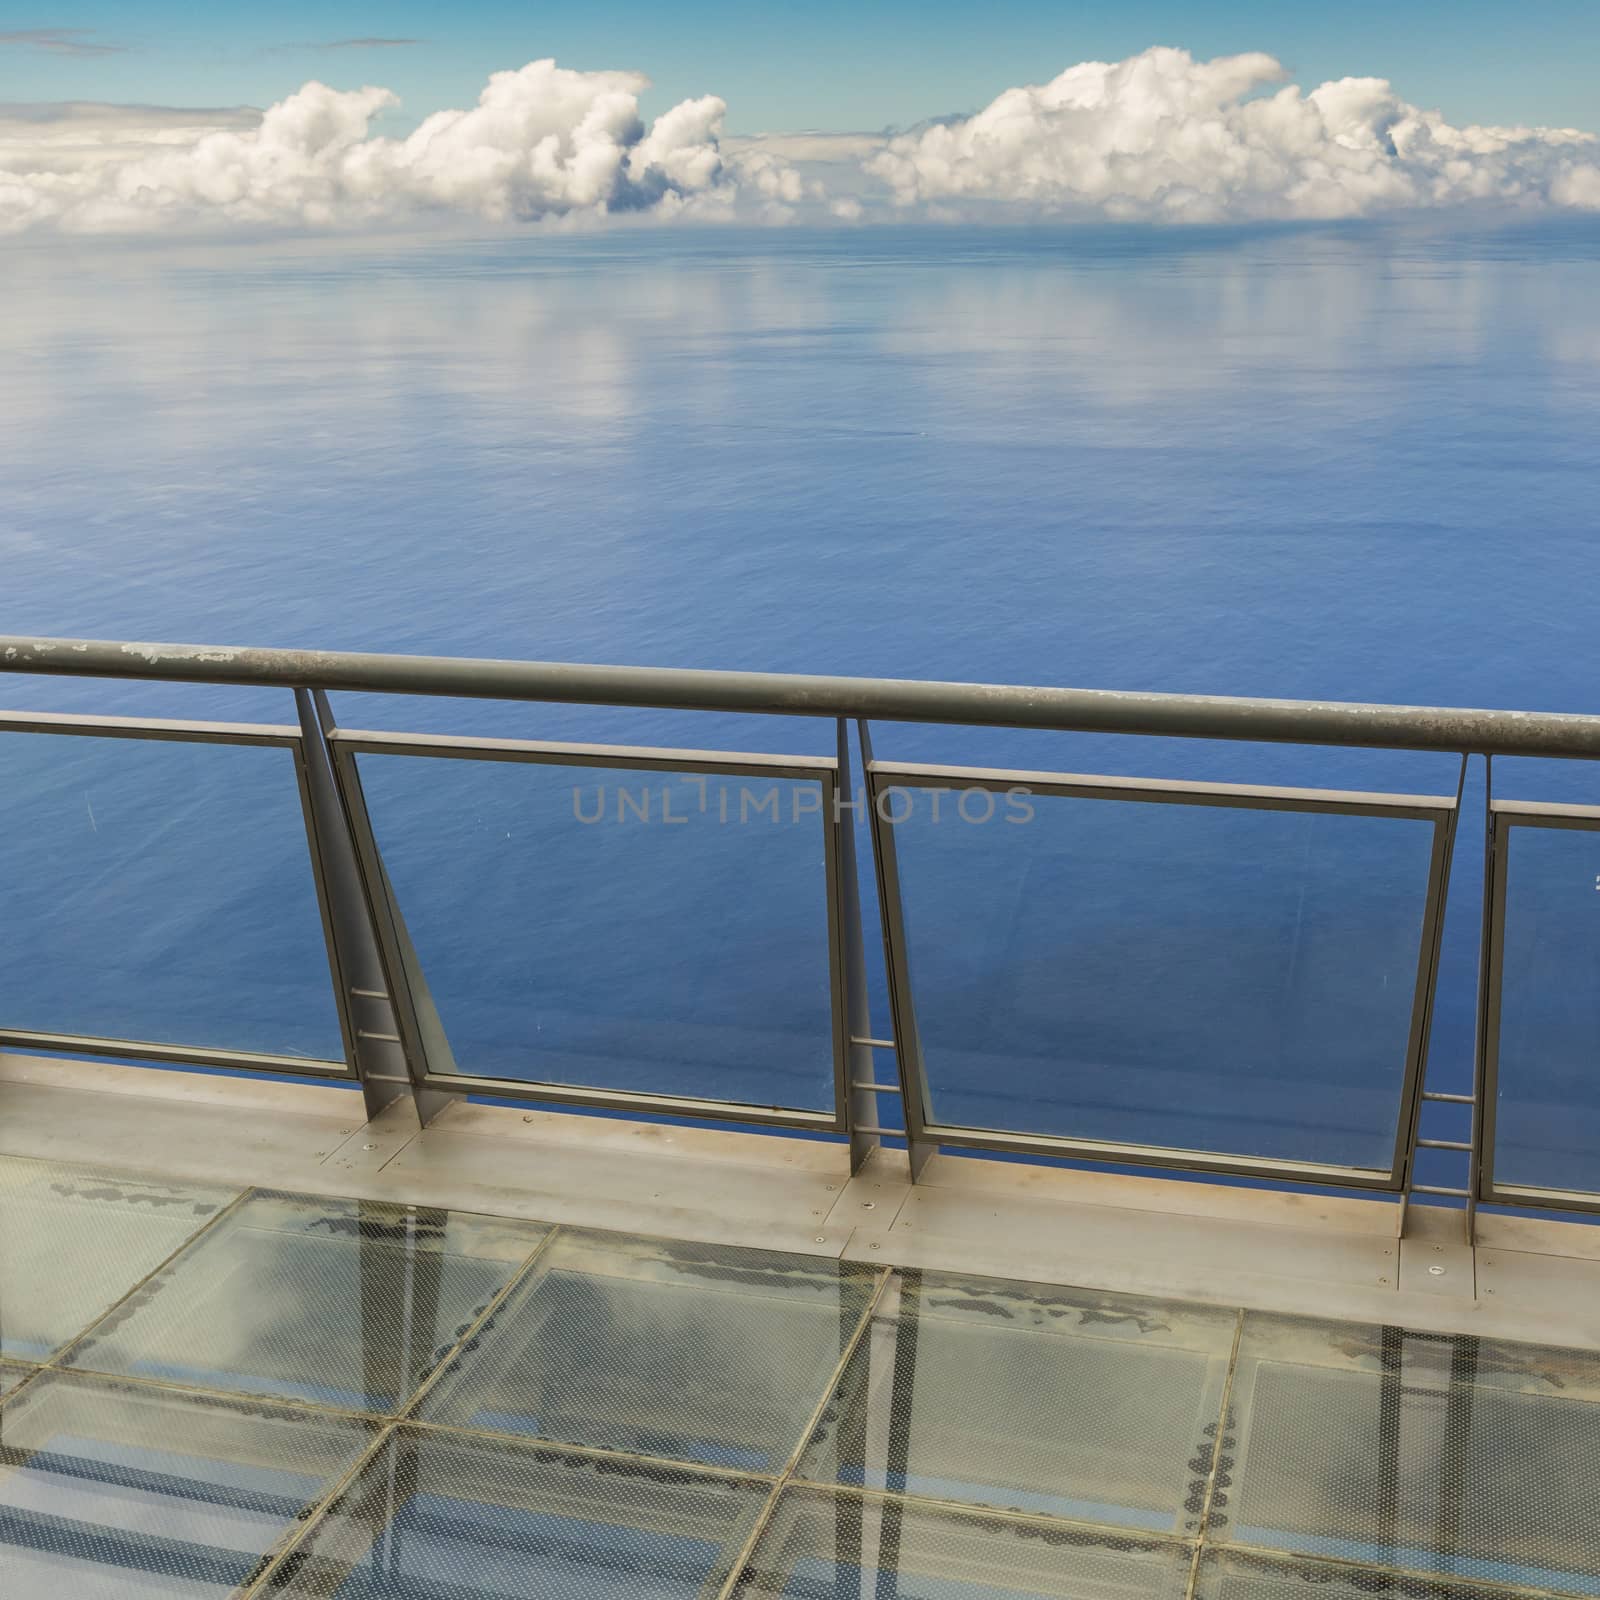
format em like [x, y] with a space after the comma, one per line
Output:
[211, 1391]
[443, 1157]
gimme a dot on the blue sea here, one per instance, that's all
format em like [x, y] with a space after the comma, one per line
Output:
[1352, 463]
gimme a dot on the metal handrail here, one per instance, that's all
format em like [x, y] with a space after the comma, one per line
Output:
[387, 1044]
[1193, 716]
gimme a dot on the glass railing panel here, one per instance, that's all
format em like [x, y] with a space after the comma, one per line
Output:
[160, 891]
[644, 931]
[1547, 1079]
[1230, 979]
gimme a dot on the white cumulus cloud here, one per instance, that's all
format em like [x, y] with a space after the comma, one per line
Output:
[1162, 136]
[1159, 137]
[543, 141]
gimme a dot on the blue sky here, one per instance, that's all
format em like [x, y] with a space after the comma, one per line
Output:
[825, 64]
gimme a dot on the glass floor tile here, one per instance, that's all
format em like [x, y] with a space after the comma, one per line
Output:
[620, 1423]
[341, 1303]
[112, 1230]
[693, 1352]
[819, 1545]
[1094, 1407]
[116, 1491]
[436, 1516]
[1435, 1454]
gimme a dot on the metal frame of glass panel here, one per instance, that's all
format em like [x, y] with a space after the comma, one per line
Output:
[257, 734]
[385, 1053]
[421, 1033]
[1504, 816]
[926, 1135]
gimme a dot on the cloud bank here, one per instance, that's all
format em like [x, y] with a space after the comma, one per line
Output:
[541, 142]
[1162, 136]
[1159, 137]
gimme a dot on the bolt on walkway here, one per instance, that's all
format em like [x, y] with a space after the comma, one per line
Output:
[211, 1392]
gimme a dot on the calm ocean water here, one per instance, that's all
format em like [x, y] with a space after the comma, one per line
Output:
[1332, 463]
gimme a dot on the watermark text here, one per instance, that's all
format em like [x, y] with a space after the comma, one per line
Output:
[675, 802]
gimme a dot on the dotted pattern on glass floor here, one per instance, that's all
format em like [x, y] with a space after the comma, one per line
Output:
[223, 1394]
[1431, 1454]
[75, 1241]
[449, 1514]
[823, 1544]
[110, 1488]
[699, 1353]
[344, 1303]
[1090, 1407]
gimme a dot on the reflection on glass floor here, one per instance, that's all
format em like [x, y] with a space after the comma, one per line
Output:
[360, 1301]
[690, 1352]
[1086, 1406]
[270, 1395]
[112, 1489]
[112, 1231]
[437, 1513]
[868, 1546]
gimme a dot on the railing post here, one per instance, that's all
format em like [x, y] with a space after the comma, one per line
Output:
[855, 1013]
[1433, 940]
[1486, 1041]
[421, 1034]
[367, 1012]
[907, 1045]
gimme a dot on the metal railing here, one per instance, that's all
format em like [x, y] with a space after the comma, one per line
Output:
[395, 1044]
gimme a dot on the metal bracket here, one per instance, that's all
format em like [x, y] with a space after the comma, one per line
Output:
[860, 1091]
[1471, 1147]
[372, 997]
[907, 1045]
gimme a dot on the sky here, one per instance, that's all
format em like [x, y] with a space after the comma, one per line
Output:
[164, 116]
[827, 64]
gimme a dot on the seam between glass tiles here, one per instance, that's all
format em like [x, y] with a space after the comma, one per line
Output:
[979, 1513]
[65, 1350]
[22, 1383]
[292, 1538]
[1224, 1412]
[478, 1323]
[1293, 1561]
[312, 1517]
[863, 1325]
[239, 1397]
[588, 1452]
